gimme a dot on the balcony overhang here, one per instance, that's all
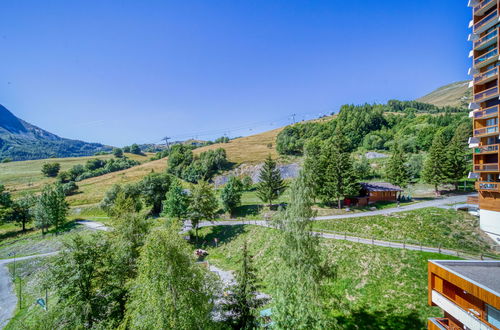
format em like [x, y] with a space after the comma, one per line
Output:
[473, 3]
[473, 71]
[490, 23]
[486, 62]
[483, 6]
[472, 37]
[473, 175]
[464, 317]
[474, 106]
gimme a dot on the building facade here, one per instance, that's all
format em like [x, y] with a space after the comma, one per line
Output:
[467, 292]
[484, 107]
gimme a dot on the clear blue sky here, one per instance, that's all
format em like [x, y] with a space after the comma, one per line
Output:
[126, 71]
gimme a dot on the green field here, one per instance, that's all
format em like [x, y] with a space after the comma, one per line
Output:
[429, 226]
[24, 176]
[376, 286]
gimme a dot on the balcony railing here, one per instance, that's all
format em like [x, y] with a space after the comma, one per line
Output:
[486, 149]
[481, 5]
[485, 20]
[486, 113]
[488, 186]
[482, 76]
[487, 37]
[486, 56]
[486, 168]
[486, 130]
[440, 322]
[486, 93]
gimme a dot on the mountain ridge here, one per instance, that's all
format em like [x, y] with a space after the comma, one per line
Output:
[20, 140]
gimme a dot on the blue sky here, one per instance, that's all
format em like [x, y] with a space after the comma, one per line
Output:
[119, 72]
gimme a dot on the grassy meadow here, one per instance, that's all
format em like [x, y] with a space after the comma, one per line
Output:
[430, 226]
[374, 286]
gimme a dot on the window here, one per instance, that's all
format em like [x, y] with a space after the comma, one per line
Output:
[491, 122]
[493, 316]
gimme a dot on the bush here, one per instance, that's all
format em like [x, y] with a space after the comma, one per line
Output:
[51, 169]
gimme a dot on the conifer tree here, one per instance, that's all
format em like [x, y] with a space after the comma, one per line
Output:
[313, 167]
[435, 170]
[301, 269]
[243, 302]
[339, 179]
[457, 155]
[397, 172]
[271, 184]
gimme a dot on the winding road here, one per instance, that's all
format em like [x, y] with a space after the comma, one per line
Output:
[8, 299]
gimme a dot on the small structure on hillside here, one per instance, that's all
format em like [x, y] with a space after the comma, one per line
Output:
[372, 192]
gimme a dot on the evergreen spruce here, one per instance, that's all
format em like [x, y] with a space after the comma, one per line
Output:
[339, 179]
[397, 171]
[271, 184]
[301, 270]
[435, 170]
[457, 155]
[243, 303]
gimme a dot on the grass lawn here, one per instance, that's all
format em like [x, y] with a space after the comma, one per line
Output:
[382, 287]
[430, 226]
[15, 243]
[25, 176]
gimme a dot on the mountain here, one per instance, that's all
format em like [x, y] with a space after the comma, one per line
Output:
[20, 140]
[457, 94]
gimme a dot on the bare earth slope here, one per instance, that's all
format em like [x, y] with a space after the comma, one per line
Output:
[455, 94]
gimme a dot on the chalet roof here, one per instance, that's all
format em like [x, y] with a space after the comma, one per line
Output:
[379, 186]
[485, 274]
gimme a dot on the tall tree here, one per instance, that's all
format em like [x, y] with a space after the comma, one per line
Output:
[21, 211]
[339, 179]
[301, 269]
[242, 303]
[313, 167]
[51, 169]
[231, 194]
[171, 291]
[397, 171]
[435, 170]
[51, 208]
[270, 185]
[153, 189]
[204, 204]
[83, 279]
[457, 155]
[176, 202]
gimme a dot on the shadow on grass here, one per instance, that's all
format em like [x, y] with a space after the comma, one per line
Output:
[364, 319]
[248, 210]
[223, 234]
[15, 233]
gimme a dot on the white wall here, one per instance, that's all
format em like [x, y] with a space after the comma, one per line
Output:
[490, 223]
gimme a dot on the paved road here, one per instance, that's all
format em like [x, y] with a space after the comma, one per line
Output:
[8, 299]
[440, 202]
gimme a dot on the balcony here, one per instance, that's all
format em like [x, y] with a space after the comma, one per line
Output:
[488, 186]
[485, 131]
[483, 6]
[487, 76]
[441, 323]
[486, 168]
[486, 113]
[486, 41]
[486, 59]
[486, 95]
[489, 149]
[486, 22]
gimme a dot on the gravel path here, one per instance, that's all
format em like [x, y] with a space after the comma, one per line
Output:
[8, 299]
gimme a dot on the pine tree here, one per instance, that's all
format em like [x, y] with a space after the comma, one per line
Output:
[231, 195]
[271, 184]
[397, 172]
[435, 170]
[313, 167]
[243, 302]
[339, 179]
[457, 155]
[301, 270]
